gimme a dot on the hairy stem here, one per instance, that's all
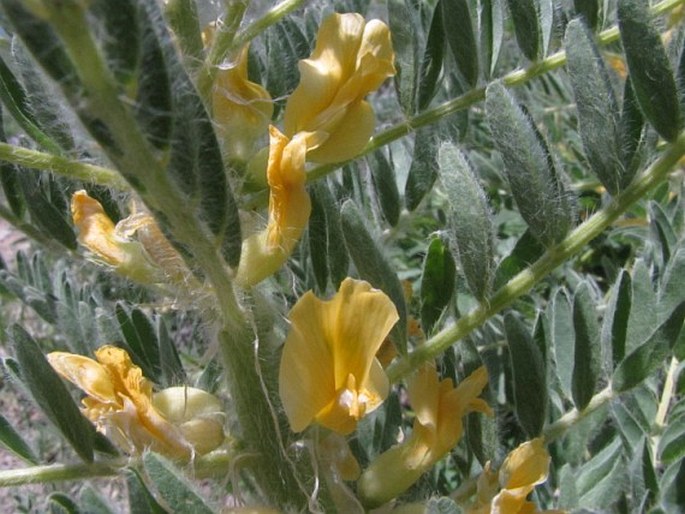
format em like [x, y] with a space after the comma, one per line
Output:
[58, 165]
[552, 258]
[233, 39]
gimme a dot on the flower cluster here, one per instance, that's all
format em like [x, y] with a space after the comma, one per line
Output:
[326, 120]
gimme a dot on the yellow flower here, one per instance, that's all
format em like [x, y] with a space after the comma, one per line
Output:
[351, 59]
[135, 247]
[505, 492]
[289, 208]
[328, 371]
[241, 108]
[178, 422]
[439, 409]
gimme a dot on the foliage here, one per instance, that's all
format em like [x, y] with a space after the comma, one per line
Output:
[520, 206]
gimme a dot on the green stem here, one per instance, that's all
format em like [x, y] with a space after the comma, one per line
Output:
[553, 257]
[215, 464]
[232, 39]
[62, 166]
[560, 426]
[56, 473]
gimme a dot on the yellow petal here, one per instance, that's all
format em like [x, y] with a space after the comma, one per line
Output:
[351, 59]
[289, 204]
[361, 319]
[350, 137]
[306, 380]
[330, 65]
[86, 374]
[265, 252]
[328, 367]
[527, 465]
[96, 229]
[242, 109]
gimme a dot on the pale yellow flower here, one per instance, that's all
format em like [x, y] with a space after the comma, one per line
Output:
[438, 426]
[289, 208]
[329, 373]
[242, 109]
[178, 422]
[351, 59]
[506, 491]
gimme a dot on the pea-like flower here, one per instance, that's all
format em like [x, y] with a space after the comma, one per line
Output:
[107, 242]
[178, 422]
[241, 108]
[351, 59]
[329, 373]
[289, 208]
[439, 409]
[506, 491]
[135, 247]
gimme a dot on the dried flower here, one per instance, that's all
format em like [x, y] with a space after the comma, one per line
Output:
[178, 422]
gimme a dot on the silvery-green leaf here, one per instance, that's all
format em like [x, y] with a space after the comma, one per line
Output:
[650, 70]
[471, 222]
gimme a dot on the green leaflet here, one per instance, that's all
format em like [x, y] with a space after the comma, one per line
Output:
[471, 222]
[536, 184]
[424, 167]
[385, 185]
[44, 210]
[631, 134]
[318, 238]
[118, 30]
[597, 106]
[530, 380]
[560, 315]
[92, 503]
[526, 26]
[432, 63]
[491, 31]
[589, 10]
[672, 442]
[140, 340]
[140, 499]
[650, 71]
[184, 21]
[172, 488]
[586, 366]
[373, 266]
[60, 503]
[405, 44]
[600, 480]
[615, 324]
[456, 18]
[11, 440]
[437, 283]
[51, 394]
[651, 354]
[13, 96]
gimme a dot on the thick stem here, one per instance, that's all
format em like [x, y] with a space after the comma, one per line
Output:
[551, 259]
[262, 433]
